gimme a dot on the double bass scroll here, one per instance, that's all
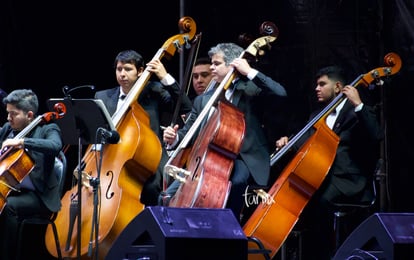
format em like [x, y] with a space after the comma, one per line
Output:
[272, 222]
[168, 49]
[253, 50]
[125, 168]
[211, 159]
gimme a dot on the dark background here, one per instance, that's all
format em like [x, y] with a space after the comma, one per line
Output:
[46, 45]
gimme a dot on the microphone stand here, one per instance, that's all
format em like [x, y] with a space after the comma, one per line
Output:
[95, 183]
[79, 204]
[86, 127]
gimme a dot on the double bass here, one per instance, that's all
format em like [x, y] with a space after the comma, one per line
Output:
[206, 182]
[125, 167]
[272, 221]
[15, 163]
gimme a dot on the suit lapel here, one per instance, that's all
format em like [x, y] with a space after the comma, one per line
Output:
[345, 115]
[112, 101]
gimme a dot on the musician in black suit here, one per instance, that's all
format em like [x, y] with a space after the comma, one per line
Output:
[350, 175]
[252, 166]
[39, 190]
[156, 98]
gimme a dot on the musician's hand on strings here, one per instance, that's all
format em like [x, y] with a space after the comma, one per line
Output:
[352, 95]
[241, 65]
[18, 143]
[281, 142]
[155, 66]
[170, 134]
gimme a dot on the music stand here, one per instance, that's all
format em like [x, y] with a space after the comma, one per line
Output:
[79, 126]
[83, 117]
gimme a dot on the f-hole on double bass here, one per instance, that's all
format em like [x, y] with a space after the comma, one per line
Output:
[271, 222]
[208, 167]
[126, 166]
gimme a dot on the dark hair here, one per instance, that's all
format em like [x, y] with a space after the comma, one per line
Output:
[202, 60]
[130, 56]
[333, 72]
[24, 99]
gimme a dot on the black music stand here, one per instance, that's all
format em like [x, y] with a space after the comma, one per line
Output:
[81, 120]
[80, 124]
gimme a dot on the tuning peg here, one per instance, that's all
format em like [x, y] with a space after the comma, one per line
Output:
[178, 46]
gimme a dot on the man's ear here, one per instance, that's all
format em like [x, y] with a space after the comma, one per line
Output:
[140, 70]
[30, 114]
[338, 87]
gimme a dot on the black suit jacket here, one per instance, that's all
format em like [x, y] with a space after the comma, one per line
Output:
[43, 144]
[247, 98]
[154, 98]
[356, 155]
[358, 149]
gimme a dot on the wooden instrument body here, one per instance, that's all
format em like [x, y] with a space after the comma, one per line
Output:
[15, 165]
[211, 160]
[119, 194]
[125, 167]
[273, 221]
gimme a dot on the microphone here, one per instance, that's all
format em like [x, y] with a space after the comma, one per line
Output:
[110, 137]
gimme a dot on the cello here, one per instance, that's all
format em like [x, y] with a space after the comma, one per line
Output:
[16, 164]
[125, 167]
[273, 220]
[206, 182]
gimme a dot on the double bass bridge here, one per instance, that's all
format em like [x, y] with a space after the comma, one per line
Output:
[177, 172]
[86, 178]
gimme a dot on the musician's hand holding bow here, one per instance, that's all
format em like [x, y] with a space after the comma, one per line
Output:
[170, 137]
[17, 143]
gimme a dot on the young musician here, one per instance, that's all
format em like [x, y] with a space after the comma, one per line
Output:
[38, 193]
